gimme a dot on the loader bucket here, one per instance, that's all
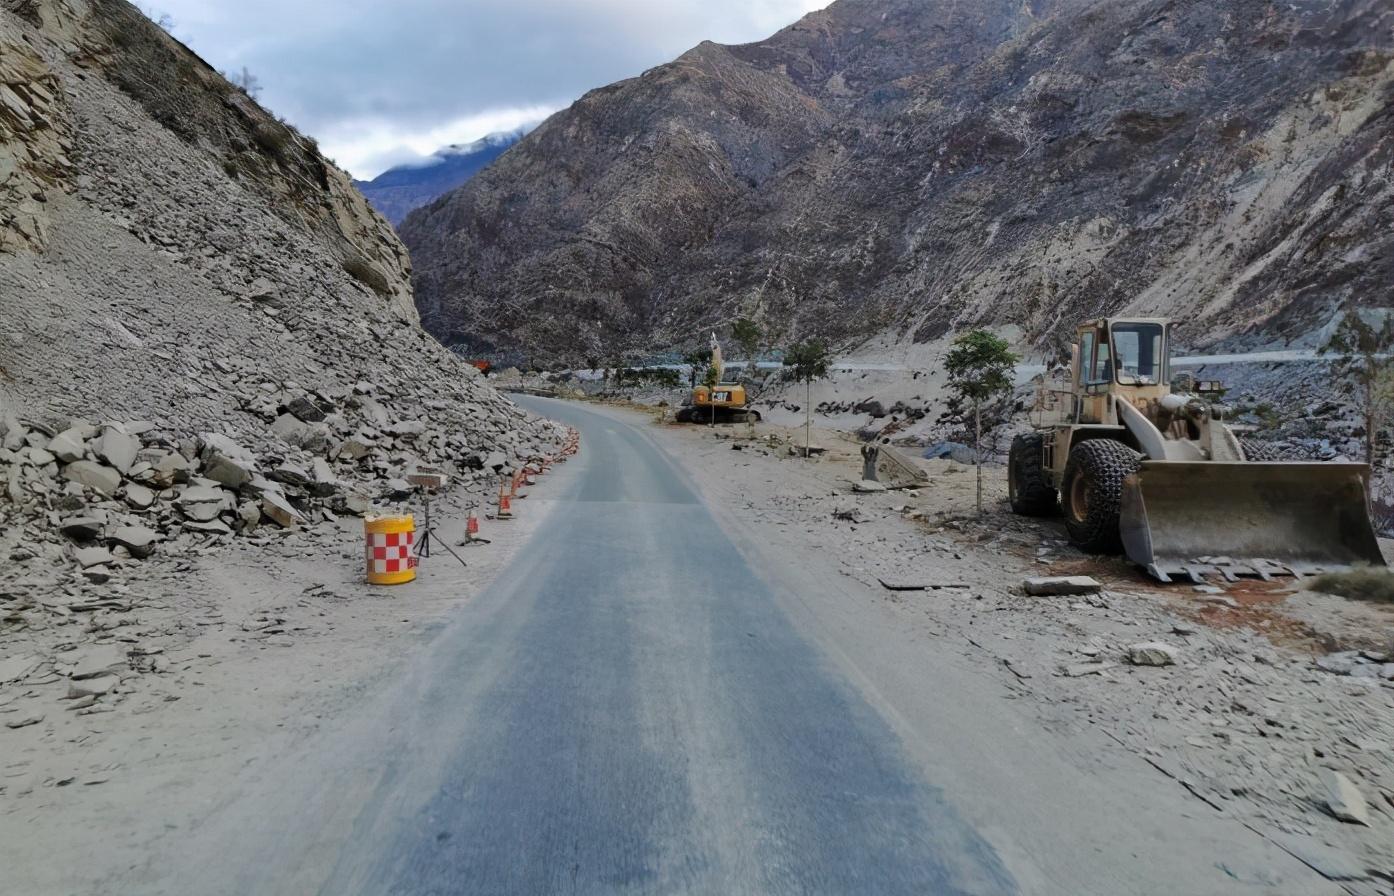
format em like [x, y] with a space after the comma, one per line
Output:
[1193, 518]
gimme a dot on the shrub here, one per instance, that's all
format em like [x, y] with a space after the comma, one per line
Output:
[1362, 583]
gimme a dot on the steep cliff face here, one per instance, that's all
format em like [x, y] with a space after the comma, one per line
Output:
[172, 254]
[904, 168]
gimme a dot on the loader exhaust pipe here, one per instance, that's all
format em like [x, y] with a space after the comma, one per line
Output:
[1191, 519]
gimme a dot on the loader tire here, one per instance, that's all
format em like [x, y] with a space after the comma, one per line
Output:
[1028, 487]
[1092, 492]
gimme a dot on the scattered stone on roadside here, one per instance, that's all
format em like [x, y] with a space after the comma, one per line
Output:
[99, 477]
[1183, 629]
[279, 510]
[1080, 669]
[95, 660]
[92, 557]
[1207, 589]
[81, 528]
[139, 540]
[1151, 653]
[16, 667]
[92, 687]
[24, 721]
[1051, 586]
[1339, 663]
[867, 486]
[1343, 798]
[67, 446]
[139, 497]
[226, 462]
[117, 449]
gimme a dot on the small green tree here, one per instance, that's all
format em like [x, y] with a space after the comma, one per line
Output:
[980, 367]
[697, 359]
[747, 334]
[710, 380]
[807, 361]
[1363, 365]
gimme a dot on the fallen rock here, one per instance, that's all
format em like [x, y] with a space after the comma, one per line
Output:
[139, 497]
[117, 449]
[1152, 653]
[1343, 798]
[139, 540]
[279, 510]
[92, 687]
[305, 409]
[98, 659]
[225, 461]
[867, 486]
[202, 504]
[98, 477]
[24, 722]
[67, 446]
[92, 557]
[16, 667]
[1339, 663]
[81, 528]
[1049, 586]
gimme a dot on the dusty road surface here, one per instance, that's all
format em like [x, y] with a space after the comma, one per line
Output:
[641, 704]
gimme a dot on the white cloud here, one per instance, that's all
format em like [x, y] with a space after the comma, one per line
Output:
[367, 147]
[369, 78]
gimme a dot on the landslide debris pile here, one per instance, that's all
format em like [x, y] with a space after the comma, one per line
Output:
[911, 167]
[205, 332]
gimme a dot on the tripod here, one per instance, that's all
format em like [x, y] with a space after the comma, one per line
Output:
[423, 546]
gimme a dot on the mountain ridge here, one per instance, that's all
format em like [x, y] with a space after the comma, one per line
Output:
[911, 168]
[402, 188]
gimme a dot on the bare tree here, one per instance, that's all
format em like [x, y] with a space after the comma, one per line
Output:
[245, 81]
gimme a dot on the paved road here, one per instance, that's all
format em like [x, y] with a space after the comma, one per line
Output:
[632, 712]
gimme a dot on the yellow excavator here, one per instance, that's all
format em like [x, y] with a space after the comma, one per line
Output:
[1137, 466]
[720, 403]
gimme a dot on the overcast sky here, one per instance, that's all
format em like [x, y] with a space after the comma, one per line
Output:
[379, 83]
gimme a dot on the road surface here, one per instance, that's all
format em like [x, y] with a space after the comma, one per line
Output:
[653, 723]
[630, 709]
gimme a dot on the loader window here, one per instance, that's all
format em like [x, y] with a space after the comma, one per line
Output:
[1093, 358]
[1138, 353]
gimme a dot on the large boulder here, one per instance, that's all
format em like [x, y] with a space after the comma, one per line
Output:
[97, 476]
[225, 461]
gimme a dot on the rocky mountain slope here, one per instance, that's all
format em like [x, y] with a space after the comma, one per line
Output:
[900, 168]
[398, 190]
[204, 328]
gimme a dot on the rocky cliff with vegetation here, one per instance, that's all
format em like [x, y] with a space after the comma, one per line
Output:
[904, 168]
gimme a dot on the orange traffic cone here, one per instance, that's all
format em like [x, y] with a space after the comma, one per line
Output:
[505, 511]
[472, 526]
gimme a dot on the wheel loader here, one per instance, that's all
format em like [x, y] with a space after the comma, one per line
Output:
[721, 403]
[1137, 466]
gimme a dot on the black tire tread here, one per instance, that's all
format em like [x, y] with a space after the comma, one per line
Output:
[1105, 463]
[1031, 492]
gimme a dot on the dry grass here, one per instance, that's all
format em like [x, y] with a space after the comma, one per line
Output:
[1370, 583]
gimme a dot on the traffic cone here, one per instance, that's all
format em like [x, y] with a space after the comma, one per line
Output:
[472, 527]
[505, 511]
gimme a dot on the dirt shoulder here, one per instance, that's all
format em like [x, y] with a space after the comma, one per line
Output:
[1244, 725]
[230, 658]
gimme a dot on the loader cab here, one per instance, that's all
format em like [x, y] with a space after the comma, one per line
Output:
[1120, 356]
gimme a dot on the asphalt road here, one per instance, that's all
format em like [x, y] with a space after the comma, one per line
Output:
[630, 711]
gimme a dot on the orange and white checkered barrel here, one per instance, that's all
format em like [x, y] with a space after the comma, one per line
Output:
[388, 549]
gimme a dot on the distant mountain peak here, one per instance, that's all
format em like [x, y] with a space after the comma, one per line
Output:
[402, 188]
